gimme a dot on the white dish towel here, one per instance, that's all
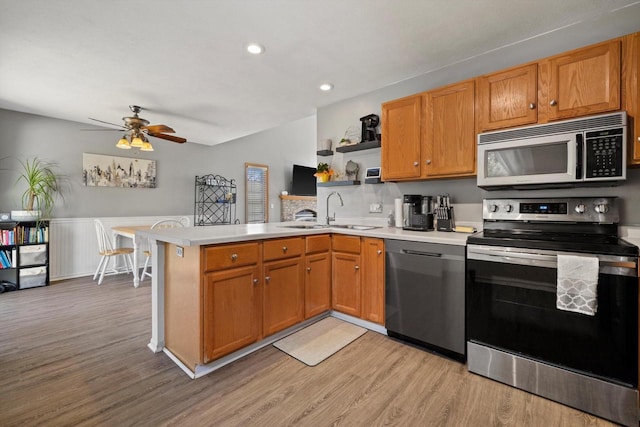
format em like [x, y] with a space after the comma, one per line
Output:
[577, 288]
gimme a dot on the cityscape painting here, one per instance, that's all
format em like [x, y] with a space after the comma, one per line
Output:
[111, 171]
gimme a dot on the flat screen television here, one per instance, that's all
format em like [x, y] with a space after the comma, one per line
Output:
[303, 183]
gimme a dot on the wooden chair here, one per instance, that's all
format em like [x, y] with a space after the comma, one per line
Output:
[107, 252]
[164, 223]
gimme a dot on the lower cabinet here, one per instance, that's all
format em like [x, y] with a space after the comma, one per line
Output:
[317, 280]
[373, 280]
[283, 294]
[232, 307]
[345, 291]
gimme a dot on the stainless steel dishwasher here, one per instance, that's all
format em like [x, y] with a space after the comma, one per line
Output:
[425, 295]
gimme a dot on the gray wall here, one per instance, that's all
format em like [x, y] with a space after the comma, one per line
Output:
[63, 142]
[333, 120]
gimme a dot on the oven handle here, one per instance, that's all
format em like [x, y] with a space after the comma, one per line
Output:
[619, 266]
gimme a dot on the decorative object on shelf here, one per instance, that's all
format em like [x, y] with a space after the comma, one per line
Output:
[215, 200]
[351, 169]
[323, 172]
[324, 145]
[369, 128]
[351, 137]
[111, 171]
[358, 147]
[43, 186]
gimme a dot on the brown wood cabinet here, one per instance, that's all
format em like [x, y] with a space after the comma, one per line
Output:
[631, 93]
[373, 276]
[283, 291]
[232, 300]
[449, 137]
[317, 281]
[346, 295]
[507, 98]
[401, 138]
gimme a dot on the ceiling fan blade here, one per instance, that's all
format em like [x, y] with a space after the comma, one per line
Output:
[104, 130]
[109, 123]
[159, 129]
[168, 137]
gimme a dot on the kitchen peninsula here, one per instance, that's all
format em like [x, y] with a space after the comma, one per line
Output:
[206, 274]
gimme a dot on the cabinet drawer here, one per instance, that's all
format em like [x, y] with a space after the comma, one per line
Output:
[283, 248]
[226, 256]
[321, 243]
[341, 243]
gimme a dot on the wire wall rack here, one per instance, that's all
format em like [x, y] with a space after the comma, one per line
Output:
[215, 200]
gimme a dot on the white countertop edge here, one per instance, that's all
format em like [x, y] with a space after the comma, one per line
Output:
[217, 234]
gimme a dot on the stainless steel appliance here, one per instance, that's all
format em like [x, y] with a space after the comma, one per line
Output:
[424, 301]
[416, 213]
[589, 150]
[517, 335]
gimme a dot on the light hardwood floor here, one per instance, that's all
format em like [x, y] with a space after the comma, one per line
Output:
[75, 353]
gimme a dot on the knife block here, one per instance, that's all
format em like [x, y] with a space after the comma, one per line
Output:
[446, 224]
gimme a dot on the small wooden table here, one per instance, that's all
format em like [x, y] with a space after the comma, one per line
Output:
[129, 231]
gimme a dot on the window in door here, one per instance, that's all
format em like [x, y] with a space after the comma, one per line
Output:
[257, 193]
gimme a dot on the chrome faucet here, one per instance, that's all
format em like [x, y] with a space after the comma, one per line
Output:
[333, 218]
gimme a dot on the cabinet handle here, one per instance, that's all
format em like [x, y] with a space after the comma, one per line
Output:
[234, 257]
[284, 249]
[267, 278]
[532, 106]
[416, 163]
[429, 161]
[357, 267]
[308, 268]
[255, 281]
[553, 103]
[379, 251]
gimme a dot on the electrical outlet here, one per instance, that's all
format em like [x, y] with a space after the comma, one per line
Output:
[375, 208]
[180, 251]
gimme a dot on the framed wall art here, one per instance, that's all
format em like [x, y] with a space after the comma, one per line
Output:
[100, 170]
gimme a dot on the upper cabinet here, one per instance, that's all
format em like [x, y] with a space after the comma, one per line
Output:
[430, 135]
[401, 124]
[631, 93]
[508, 98]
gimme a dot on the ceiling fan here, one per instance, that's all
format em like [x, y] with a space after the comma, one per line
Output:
[136, 129]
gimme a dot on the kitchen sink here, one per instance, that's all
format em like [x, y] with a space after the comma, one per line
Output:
[306, 226]
[355, 226]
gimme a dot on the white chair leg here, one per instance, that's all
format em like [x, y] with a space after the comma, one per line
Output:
[104, 268]
[102, 259]
[144, 269]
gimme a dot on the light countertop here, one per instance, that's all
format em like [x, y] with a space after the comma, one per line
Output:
[216, 234]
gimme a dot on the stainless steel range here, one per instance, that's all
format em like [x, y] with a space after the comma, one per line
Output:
[552, 303]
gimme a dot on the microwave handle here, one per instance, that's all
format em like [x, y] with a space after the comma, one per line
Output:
[579, 155]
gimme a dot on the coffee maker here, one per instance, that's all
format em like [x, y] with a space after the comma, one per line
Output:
[417, 213]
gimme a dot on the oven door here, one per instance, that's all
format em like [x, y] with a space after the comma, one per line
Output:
[533, 161]
[511, 306]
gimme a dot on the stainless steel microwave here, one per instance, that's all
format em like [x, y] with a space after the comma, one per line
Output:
[590, 150]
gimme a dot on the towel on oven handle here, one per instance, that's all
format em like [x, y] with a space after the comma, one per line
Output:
[577, 288]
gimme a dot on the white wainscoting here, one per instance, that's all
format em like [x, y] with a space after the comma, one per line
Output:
[73, 245]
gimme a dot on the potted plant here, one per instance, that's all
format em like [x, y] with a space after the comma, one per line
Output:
[42, 188]
[323, 172]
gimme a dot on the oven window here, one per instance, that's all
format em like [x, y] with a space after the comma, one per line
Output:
[513, 307]
[527, 160]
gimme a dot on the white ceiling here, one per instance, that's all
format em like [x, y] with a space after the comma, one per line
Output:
[185, 62]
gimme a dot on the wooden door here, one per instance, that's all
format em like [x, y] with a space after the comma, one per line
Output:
[373, 280]
[585, 81]
[507, 98]
[401, 123]
[345, 292]
[231, 310]
[631, 93]
[317, 293]
[449, 141]
[283, 294]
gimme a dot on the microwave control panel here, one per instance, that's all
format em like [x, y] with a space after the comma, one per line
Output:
[604, 154]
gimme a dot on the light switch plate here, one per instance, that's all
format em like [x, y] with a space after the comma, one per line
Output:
[180, 251]
[375, 208]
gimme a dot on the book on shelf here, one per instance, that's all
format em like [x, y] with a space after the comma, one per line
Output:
[14, 258]
[5, 262]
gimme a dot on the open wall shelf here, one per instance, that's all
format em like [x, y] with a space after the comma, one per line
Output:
[357, 147]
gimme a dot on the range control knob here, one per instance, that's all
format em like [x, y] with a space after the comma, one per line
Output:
[508, 207]
[580, 208]
[602, 208]
[493, 207]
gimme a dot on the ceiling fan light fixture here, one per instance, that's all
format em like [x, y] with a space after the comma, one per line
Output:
[123, 143]
[146, 146]
[137, 142]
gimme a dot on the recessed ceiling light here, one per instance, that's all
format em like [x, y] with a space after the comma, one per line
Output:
[326, 86]
[255, 48]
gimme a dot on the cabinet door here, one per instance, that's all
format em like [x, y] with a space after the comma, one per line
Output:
[373, 280]
[283, 294]
[631, 92]
[449, 141]
[508, 98]
[231, 310]
[401, 121]
[345, 293]
[585, 81]
[317, 292]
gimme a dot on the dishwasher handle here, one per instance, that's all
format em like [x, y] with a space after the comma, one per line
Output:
[429, 254]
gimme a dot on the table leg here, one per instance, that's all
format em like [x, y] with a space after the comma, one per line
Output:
[136, 277]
